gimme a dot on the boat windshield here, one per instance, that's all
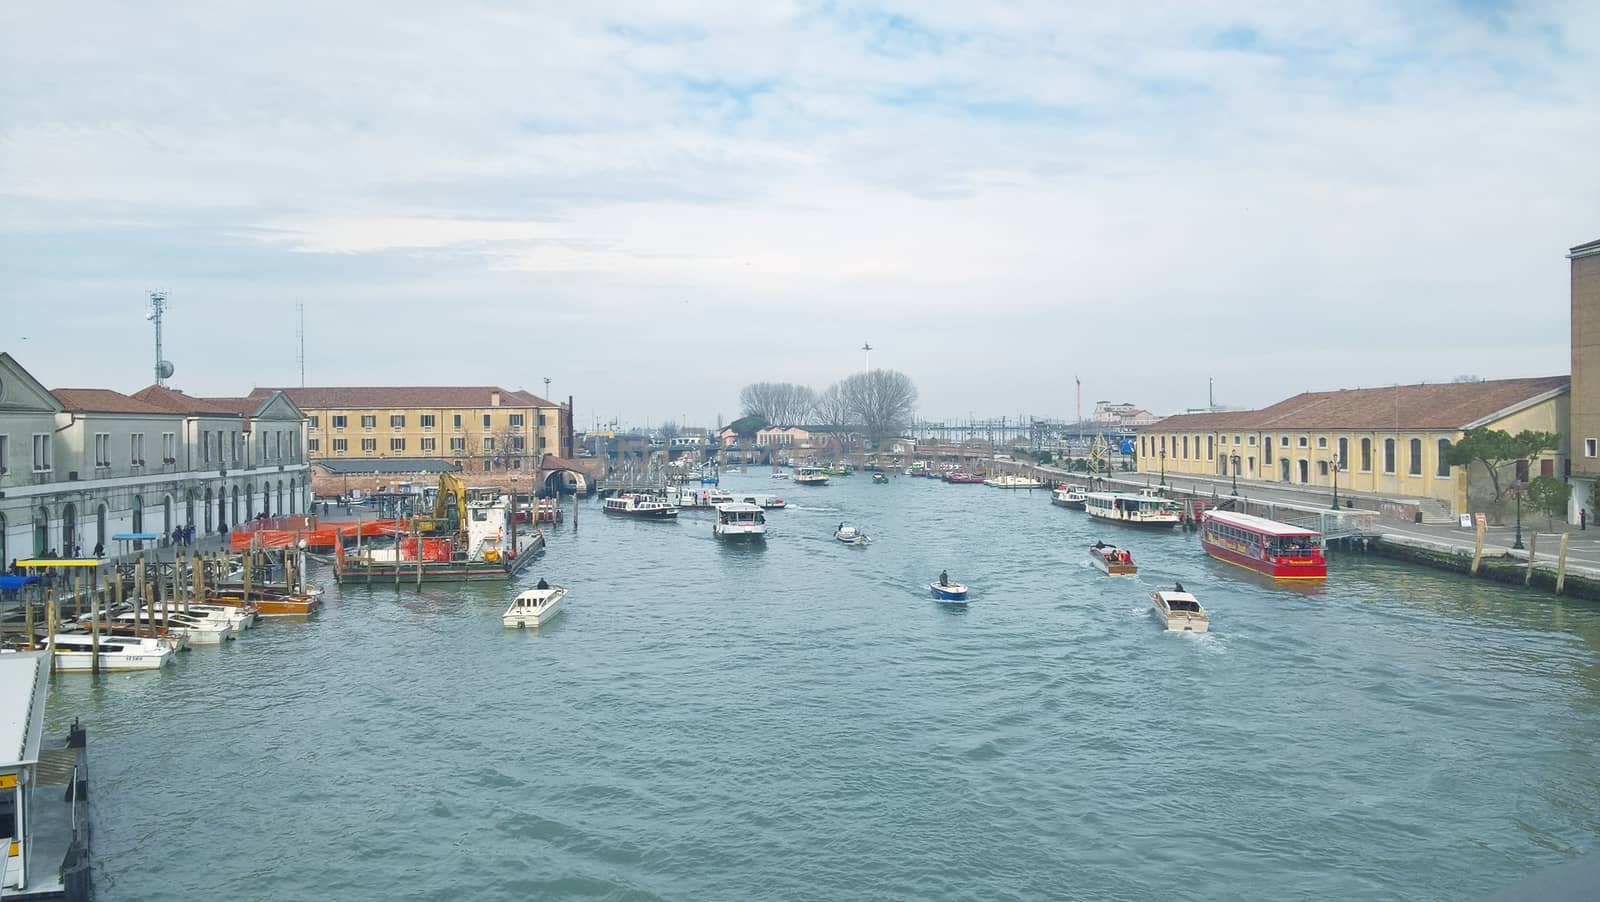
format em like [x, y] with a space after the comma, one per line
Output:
[1181, 605]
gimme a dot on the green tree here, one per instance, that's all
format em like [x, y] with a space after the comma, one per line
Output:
[748, 426]
[1594, 497]
[1549, 496]
[1495, 448]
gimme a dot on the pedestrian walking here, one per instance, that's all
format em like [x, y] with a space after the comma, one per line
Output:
[1583, 519]
[99, 549]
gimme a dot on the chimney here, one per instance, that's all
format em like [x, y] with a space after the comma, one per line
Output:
[494, 398]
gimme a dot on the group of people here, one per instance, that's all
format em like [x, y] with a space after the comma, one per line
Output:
[183, 535]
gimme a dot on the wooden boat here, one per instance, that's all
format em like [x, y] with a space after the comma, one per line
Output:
[1180, 611]
[1275, 549]
[1112, 560]
[265, 605]
[534, 607]
[1133, 510]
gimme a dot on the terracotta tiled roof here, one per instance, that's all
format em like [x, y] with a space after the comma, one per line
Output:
[103, 400]
[175, 401]
[1444, 405]
[399, 396]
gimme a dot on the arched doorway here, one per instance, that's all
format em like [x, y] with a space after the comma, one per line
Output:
[69, 528]
[100, 527]
[249, 501]
[207, 508]
[138, 513]
[41, 531]
[294, 498]
[279, 506]
[166, 515]
[235, 494]
[188, 507]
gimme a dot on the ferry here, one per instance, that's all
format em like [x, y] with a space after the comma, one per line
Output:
[1069, 496]
[1013, 482]
[1275, 549]
[810, 476]
[1180, 611]
[736, 519]
[1111, 560]
[641, 506]
[1133, 510]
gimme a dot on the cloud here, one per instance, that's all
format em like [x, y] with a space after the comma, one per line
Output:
[1358, 191]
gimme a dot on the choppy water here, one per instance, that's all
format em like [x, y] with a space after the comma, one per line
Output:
[800, 721]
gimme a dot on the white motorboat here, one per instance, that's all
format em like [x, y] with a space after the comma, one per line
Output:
[780, 476]
[1069, 496]
[1180, 611]
[240, 618]
[75, 652]
[198, 630]
[738, 519]
[1010, 481]
[810, 476]
[850, 535]
[641, 506]
[1110, 559]
[534, 607]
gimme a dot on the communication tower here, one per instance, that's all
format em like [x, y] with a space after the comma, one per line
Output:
[158, 306]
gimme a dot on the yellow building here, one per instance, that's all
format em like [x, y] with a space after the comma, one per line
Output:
[485, 429]
[1385, 441]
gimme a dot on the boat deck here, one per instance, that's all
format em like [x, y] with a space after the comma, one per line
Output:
[52, 816]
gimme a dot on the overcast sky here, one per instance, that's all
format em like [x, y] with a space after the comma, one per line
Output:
[655, 203]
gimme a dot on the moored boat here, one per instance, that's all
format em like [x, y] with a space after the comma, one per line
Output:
[1180, 611]
[962, 477]
[534, 607]
[1110, 559]
[1278, 550]
[1068, 496]
[197, 629]
[1133, 510]
[76, 652]
[1013, 481]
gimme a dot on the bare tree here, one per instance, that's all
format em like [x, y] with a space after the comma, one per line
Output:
[779, 403]
[880, 402]
[832, 409]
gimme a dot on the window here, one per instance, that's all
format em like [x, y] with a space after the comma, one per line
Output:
[237, 443]
[541, 419]
[1236, 440]
[205, 445]
[1547, 466]
[102, 449]
[1388, 455]
[1303, 442]
[1522, 471]
[340, 445]
[316, 421]
[517, 443]
[136, 449]
[1344, 454]
[169, 447]
[5, 465]
[1186, 446]
[369, 420]
[339, 420]
[313, 445]
[1211, 447]
[458, 444]
[1322, 441]
[1266, 451]
[293, 449]
[427, 420]
[516, 421]
[1366, 455]
[397, 420]
[541, 443]
[397, 444]
[1322, 468]
[1197, 447]
[488, 443]
[457, 423]
[1251, 441]
[369, 445]
[1416, 457]
[1588, 447]
[486, 421]
[430, 444]
[1443, 462]
[277, 446]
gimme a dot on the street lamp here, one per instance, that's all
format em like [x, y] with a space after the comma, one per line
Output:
[1163, 468]
[1517, 488]
[1334, 463]
[1236, 475]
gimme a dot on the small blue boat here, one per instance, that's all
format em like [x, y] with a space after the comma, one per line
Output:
[708, 480]
[952, 592]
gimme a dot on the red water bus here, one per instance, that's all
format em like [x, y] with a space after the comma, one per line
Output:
[1266, 546]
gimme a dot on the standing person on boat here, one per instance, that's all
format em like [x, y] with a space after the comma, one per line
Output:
[542, 584]
[944, 577]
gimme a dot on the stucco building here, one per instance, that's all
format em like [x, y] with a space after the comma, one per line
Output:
[1389, 441]
[482, 429]
[1584, 436]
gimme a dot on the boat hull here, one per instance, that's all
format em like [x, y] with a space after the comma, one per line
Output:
[534, 621]
[954, 593]
[1310, 569]
[1173, 523]
[1184, 624]
[1069, 505]
[657, 514]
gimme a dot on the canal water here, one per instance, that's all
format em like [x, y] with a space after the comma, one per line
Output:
[798, 720]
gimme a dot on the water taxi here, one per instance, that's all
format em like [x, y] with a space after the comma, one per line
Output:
[879, 479]
[1180, 611]
[810, 476]
[1069, 496]
[850, 535]
[1011, 481]
[1133, 510]
[75, 652]
[44, 791]
[1112, 560]
[643, 507]
[1275, 549]
[533, 607]
[737, 519]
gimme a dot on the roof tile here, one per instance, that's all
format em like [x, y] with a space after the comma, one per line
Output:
[1444, 405]
[104, 400]
[400, 396]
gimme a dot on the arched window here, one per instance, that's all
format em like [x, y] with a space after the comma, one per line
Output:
[1366, 455]
[249, 501]
[100, 526]
[41, 531]
[1388, 455]
[1416, 457]
[69, 528]
[1344, 454]
[1186, 446]
[138, 513]
[1444, 454]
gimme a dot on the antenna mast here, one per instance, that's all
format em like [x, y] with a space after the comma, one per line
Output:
[158, 306]
[300, 336]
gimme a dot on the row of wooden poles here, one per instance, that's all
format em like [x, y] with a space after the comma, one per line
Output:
[153, 596]
[1533, 555]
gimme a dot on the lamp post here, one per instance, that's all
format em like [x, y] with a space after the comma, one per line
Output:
[1235, 473]
[1517, 488]
[1334, 463]
[1163, 468]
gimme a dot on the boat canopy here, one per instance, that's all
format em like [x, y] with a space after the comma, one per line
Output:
[13, 583]
[1260, 525]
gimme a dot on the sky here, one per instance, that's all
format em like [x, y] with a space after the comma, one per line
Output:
[652, 204]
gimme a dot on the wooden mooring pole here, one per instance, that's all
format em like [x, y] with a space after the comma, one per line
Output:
[1477, 548]
[1533, 552]
[1561, 565]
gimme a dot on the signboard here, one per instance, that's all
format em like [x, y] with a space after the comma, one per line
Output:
[1466, 521]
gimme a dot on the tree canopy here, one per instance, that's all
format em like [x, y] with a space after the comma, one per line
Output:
[1549, 495]
[780, 403]
[748, 426]
[1494, 448]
